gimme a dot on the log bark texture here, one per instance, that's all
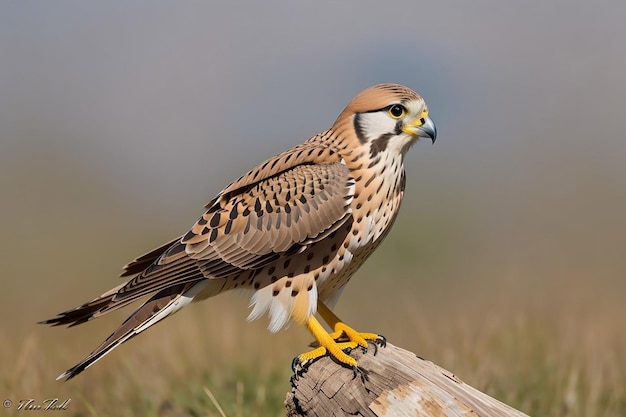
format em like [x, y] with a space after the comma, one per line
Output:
[392, 382]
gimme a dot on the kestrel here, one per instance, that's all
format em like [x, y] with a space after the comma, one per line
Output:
[292, 230]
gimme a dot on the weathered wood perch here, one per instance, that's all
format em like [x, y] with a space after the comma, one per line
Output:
[396, 382]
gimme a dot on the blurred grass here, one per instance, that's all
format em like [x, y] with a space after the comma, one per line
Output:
[541, 333]
[550, 356]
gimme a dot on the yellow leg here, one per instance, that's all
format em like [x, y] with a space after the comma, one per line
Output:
[329, 342]
[327, 345]
[340, 328]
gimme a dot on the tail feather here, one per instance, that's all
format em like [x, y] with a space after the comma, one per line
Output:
[139, 264]
[165, 303]
[150, 277]
[83, 312]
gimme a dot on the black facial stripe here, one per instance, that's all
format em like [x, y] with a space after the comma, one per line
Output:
[358, 128]
[380, 144]
[398, 128]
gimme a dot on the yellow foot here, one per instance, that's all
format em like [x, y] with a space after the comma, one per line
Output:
[341, 329]
[339, 351]
[334, 345]
[360, 339]
[327, 345]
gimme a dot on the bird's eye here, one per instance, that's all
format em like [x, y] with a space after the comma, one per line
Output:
[396, 111]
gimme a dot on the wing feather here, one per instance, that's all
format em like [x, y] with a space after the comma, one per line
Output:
[295, 207]
[287, 203]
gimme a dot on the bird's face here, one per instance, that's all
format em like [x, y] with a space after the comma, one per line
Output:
[389, 118]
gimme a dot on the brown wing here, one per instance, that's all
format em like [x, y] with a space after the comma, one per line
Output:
[295, 207]
[286, 203]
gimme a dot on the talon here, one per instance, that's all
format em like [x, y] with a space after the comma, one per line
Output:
[327, 345]
[294, 365]
[300, 363]
[339, 344]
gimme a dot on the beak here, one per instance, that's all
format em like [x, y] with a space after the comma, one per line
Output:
[422, 130]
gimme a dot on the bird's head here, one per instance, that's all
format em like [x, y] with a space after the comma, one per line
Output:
[387, 117]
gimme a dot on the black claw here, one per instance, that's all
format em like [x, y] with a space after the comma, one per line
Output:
[375, 344]
[294, 365]
[299, 368]
[380, 341]
[355, 370]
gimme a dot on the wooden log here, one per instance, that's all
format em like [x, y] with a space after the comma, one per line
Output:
[392, 382]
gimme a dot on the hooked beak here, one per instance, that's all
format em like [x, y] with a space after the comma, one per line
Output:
[426, 129]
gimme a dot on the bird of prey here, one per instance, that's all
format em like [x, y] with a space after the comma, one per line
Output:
[293, 230]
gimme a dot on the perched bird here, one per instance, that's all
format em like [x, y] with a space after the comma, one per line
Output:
[292, 230]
